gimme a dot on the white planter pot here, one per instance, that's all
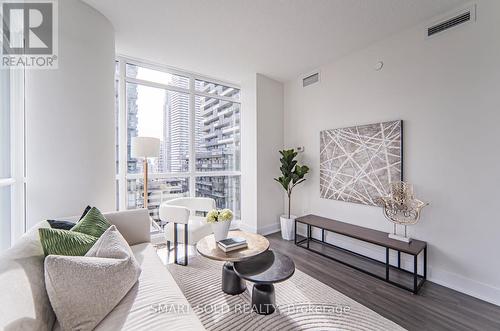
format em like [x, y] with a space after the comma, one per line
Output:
[220, 230]
[288, 227]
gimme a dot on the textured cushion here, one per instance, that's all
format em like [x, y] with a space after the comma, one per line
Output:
[66, 224]
[85, 211]
[61, 224]
[103, 277]
[93, 223]
[155, 287]
[64, 242]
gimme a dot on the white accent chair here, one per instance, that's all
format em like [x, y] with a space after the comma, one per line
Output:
[183, 211]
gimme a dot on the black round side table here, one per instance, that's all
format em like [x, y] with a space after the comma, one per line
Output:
[264, 270]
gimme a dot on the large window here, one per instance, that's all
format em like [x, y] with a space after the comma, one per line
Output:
[6, 180]
[12, 222]
[198, 123]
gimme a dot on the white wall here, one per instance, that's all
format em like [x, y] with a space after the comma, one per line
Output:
[249, 155]
[270, 134]
[262, 137]
[70, 120]
[446, 89]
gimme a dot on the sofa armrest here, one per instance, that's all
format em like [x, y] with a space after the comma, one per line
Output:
[134, 225]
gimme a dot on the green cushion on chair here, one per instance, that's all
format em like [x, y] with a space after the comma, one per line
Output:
[64, 242]
[92, 224]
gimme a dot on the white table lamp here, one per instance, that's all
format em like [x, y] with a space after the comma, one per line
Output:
[144, 147]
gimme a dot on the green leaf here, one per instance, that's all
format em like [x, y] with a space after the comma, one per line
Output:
[291, 172]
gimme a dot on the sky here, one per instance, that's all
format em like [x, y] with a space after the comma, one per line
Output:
[150, 102]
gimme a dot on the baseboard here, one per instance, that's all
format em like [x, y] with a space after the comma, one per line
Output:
[235, 225]
[465, 285]
[268, 229]
[244, 227]
[445, 278]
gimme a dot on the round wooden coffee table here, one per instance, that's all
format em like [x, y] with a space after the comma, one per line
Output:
[231, 282]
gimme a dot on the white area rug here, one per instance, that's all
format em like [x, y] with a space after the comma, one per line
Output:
[303, 303]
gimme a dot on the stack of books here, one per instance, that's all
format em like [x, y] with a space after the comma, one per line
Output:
[232, 244]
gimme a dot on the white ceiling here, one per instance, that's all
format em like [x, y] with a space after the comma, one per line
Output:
[230, 39]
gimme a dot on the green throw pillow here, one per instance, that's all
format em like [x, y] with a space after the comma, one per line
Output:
[93, 223]
[64, 242]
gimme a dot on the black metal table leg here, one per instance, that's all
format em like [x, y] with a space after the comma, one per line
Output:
[323, 235]
[185, 245]
[231, 283]
[425, 262]
[415, 274]
[387, 263]
[308, 234]
[175, 243]
[399, 259]
[295, 237]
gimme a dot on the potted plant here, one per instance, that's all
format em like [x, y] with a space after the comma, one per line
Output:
[220, 221]
[292, 174]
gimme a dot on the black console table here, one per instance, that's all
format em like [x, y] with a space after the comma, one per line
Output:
[394, 274]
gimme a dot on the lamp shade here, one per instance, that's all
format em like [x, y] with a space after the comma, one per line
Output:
[145, 147]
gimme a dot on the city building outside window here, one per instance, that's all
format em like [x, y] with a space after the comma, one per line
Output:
[197, 120]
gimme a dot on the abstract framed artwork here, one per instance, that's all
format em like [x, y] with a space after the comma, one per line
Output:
[358, 164]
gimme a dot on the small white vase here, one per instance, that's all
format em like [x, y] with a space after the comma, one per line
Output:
[288, 227]
[220, 229]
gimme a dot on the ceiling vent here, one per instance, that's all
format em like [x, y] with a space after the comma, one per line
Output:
[310, 79]
[465, 16]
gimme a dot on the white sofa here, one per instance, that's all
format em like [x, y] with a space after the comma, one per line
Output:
[24, 304]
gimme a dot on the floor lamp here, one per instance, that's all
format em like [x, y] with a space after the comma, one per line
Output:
[142, 148]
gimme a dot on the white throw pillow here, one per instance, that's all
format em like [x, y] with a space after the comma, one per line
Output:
[84, 289]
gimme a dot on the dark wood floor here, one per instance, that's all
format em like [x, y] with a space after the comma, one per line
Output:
[434, 308]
